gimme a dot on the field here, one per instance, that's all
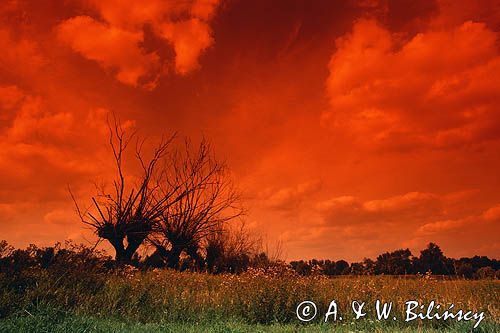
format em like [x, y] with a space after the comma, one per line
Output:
[265, 301]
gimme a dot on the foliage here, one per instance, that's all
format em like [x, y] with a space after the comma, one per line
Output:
[75, 285]
[401, 262]
[257, 296]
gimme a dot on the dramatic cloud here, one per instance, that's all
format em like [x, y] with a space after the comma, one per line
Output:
[118, 42]
[189, 39]
[289, 199]
[436, 90]
[60, 217]
[111, 48]
[350, 127]
[492, 214]
[408, 207]
[443, 226]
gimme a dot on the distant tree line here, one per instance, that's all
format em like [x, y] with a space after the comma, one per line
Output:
[228, 257]
[401, 262]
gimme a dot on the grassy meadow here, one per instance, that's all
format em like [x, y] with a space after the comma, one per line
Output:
[255, 301]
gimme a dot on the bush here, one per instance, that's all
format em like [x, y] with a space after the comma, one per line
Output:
[486, 273]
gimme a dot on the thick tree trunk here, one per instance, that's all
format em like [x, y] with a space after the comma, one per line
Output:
[192, 251]
[120, 252]
[174, 256]
[132, 246]
[123, 255]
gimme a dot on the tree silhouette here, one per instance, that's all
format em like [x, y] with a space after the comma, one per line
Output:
[396, 263]
[205, 200]
[432, 259]
[126, 215]
[341, 267]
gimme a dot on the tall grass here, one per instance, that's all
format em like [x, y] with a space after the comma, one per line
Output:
[254, 297]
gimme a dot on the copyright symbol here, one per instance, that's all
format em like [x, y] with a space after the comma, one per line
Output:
[306, 311]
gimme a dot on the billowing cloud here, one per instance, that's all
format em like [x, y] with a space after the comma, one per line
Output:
[112, 48]
[438, 89]
[118, 41]
[409, 202]
[409, 207]
[60, 217]
[289, 198]
[189, 39]
[133, 15]
[32, 125]
[442, 226]
[40, 147]
[492, 214]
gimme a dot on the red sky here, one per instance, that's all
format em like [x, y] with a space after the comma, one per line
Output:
[352, 127]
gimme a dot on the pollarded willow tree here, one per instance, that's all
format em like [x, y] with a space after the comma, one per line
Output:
[126, 214]
[205, 201]
[180, 197]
